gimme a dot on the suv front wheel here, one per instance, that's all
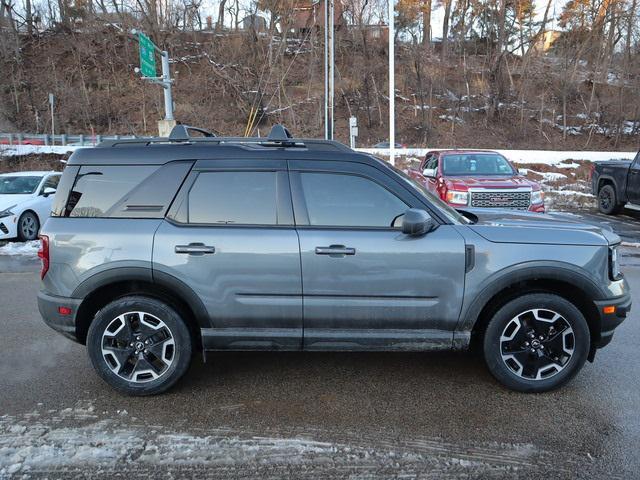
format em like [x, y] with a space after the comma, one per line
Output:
[536, 343]
[139, 345]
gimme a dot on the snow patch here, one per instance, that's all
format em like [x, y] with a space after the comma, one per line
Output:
[547, 157]
[29, 249]
[13, 150]
[64, 443]
[631, 244]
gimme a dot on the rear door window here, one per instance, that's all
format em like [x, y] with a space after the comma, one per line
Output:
[234, 197]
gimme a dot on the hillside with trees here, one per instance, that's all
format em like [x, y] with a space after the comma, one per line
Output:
[498, 74]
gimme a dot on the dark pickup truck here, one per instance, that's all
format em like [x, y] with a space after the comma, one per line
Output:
[616, 183]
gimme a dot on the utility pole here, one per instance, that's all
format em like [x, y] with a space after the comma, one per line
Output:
[52, 100]
[329, 67]
[332, 63]
[148, 70]
[326, 69]
[166, 85]
[392, 87]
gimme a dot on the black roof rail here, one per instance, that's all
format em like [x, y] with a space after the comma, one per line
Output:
[279, 136]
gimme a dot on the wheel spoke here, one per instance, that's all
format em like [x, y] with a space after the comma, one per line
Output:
[128, 367]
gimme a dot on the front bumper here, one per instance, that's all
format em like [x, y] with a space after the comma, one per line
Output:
[610, 321]
[8, 227]
[64, 324]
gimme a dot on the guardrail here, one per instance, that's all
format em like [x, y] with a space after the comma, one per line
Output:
[63, 140]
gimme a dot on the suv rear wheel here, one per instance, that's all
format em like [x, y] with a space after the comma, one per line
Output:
[139, 345]
[608, 201]
[536, 343]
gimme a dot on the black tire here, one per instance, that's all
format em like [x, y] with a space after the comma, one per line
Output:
[608, 201]
[167, 357]
[28, 226]
[533, 313]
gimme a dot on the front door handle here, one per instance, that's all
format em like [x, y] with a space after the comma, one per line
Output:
[337, 250]
[195, 249]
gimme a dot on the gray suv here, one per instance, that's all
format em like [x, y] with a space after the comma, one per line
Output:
[159, 248]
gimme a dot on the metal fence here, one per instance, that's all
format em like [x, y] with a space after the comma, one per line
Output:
[42, 139]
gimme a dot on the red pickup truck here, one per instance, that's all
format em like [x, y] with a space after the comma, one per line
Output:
[477, 179]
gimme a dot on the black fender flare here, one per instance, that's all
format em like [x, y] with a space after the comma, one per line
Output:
[499, 281]
[620, 195]
[144, 274]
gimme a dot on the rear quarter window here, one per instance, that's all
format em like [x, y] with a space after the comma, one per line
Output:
[124, 191]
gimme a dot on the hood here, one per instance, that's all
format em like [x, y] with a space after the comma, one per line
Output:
[7, 201]
[499, 181]
[618, 161]
[507, 226]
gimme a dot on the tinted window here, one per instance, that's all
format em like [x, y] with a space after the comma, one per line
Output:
[18, 185]
[247, 198]
[349, 200]
[98, 189]
[476, 164]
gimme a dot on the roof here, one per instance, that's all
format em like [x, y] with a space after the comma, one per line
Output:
[179, 145]
[159, 154]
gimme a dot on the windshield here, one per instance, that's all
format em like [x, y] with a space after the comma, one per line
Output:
[476, 164]
[453, 215]
[19, 185]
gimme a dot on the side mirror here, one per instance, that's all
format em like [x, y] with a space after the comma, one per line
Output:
[48, 191]
[417, 222]
[429, 172]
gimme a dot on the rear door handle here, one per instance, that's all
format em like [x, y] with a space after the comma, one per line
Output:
[195, 249]
[335, 250]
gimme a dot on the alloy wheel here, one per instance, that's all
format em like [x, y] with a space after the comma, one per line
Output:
[138, 347]
[28, 227]
[537, 344]
[605, 199]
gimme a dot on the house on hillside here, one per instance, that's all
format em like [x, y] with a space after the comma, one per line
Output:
[254, 22]
[309, 14]
[545, 42]
[376, 32]
[6, 24]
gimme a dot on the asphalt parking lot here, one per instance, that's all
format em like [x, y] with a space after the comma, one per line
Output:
[311, 415]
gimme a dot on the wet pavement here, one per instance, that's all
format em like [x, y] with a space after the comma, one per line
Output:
[310, 415]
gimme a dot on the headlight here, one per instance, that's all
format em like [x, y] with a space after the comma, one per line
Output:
[6, 212]
[537, 196]
[459, 198]
[614, 263]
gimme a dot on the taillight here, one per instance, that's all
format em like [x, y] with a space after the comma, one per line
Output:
[43, 253]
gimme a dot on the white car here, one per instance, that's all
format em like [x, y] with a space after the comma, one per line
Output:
[25, 203]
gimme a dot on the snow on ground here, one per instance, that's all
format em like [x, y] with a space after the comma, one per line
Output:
[545, 175]
[81, 440]
[29, 249]
[13, 150]
[547, 157]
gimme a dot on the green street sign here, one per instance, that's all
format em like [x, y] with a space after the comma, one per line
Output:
[147, 56]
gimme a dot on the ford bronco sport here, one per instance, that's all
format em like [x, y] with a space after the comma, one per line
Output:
[158, 248]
